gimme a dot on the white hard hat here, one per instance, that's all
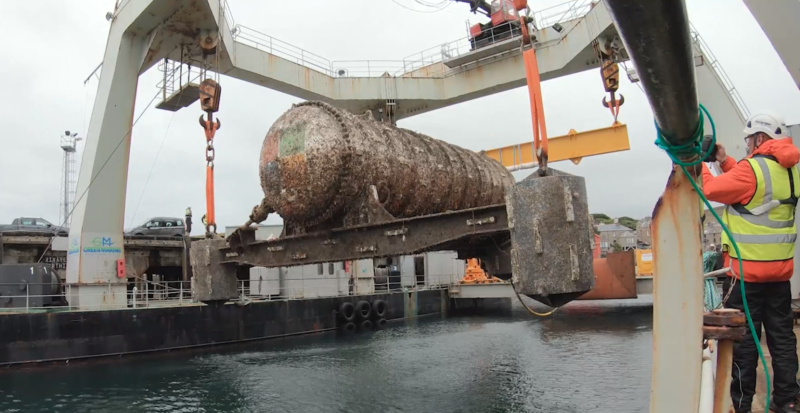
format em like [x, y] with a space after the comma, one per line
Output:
[766, 123]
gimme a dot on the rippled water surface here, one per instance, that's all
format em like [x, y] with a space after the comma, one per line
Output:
[586, 359]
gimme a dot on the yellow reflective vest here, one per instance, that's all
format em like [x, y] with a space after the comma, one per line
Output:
[764, 228]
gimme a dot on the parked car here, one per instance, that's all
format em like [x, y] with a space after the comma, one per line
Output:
[160, 227]
[24, 224]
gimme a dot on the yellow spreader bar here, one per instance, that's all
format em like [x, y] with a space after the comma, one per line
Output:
[573, 146]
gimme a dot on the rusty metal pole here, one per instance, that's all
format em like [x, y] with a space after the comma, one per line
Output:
[677, 298]
[656, 36]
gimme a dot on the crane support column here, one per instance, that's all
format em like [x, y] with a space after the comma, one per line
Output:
[656, 36]
[95, 238]
[778, 20]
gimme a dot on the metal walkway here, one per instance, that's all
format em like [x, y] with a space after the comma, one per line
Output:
[437, 77]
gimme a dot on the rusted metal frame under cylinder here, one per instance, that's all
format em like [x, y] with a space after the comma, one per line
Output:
[400, 237]
[726, 326]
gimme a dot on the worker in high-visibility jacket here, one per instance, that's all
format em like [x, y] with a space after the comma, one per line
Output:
[188, 220]
[760, 193]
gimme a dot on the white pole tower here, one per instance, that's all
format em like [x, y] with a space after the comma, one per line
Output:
[69, 144]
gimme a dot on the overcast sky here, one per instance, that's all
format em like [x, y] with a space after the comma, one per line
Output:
[52, 46]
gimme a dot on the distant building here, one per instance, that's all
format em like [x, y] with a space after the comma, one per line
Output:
[712, 230]
[596, 246]
[616, 233]
[645, 240]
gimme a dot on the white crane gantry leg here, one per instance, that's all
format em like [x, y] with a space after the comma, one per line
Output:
[95, 238]
[778, 20]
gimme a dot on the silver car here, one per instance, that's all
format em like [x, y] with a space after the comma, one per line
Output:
[160, 227]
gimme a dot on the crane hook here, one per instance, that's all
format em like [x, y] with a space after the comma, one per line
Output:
[203, 122]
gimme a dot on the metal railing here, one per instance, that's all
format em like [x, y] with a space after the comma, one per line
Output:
[561, 13]
[228, 15]
[722, 76]
[176, 75]
[290, 52]
[142, 293]
[421, 64]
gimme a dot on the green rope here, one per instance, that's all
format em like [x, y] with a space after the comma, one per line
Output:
[692, 150]
[711, 299]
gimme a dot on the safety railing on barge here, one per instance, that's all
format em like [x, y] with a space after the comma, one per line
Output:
[152, 294]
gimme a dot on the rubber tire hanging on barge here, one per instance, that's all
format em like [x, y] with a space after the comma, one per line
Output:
[366, 325]
[347, 311]
[381, 323]
[363, 310]
[379, 308]
[349, 327]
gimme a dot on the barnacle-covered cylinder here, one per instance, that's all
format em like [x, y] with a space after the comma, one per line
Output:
[318, 162]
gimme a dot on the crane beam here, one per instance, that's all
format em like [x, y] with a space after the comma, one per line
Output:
[573, 146]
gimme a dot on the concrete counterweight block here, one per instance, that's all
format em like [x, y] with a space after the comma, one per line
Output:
[212, 280]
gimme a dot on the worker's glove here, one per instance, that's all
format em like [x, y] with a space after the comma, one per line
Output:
[712, 156]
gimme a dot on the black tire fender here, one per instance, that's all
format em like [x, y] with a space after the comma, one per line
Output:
[366, 325]
[347, 311]
[363, 310]
[381, 323]
[379, 308]
[349, 327]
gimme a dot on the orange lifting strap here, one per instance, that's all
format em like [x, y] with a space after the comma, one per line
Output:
[210, 128]
[535, 94]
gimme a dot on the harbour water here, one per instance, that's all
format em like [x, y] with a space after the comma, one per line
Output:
[587, 358]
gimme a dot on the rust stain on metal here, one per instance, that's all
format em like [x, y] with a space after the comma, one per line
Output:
[724, 324]
[723, 333]
[317, 163]
[671, 204]
[725, 318]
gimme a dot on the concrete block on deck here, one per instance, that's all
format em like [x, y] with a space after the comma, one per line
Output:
[212, 280]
